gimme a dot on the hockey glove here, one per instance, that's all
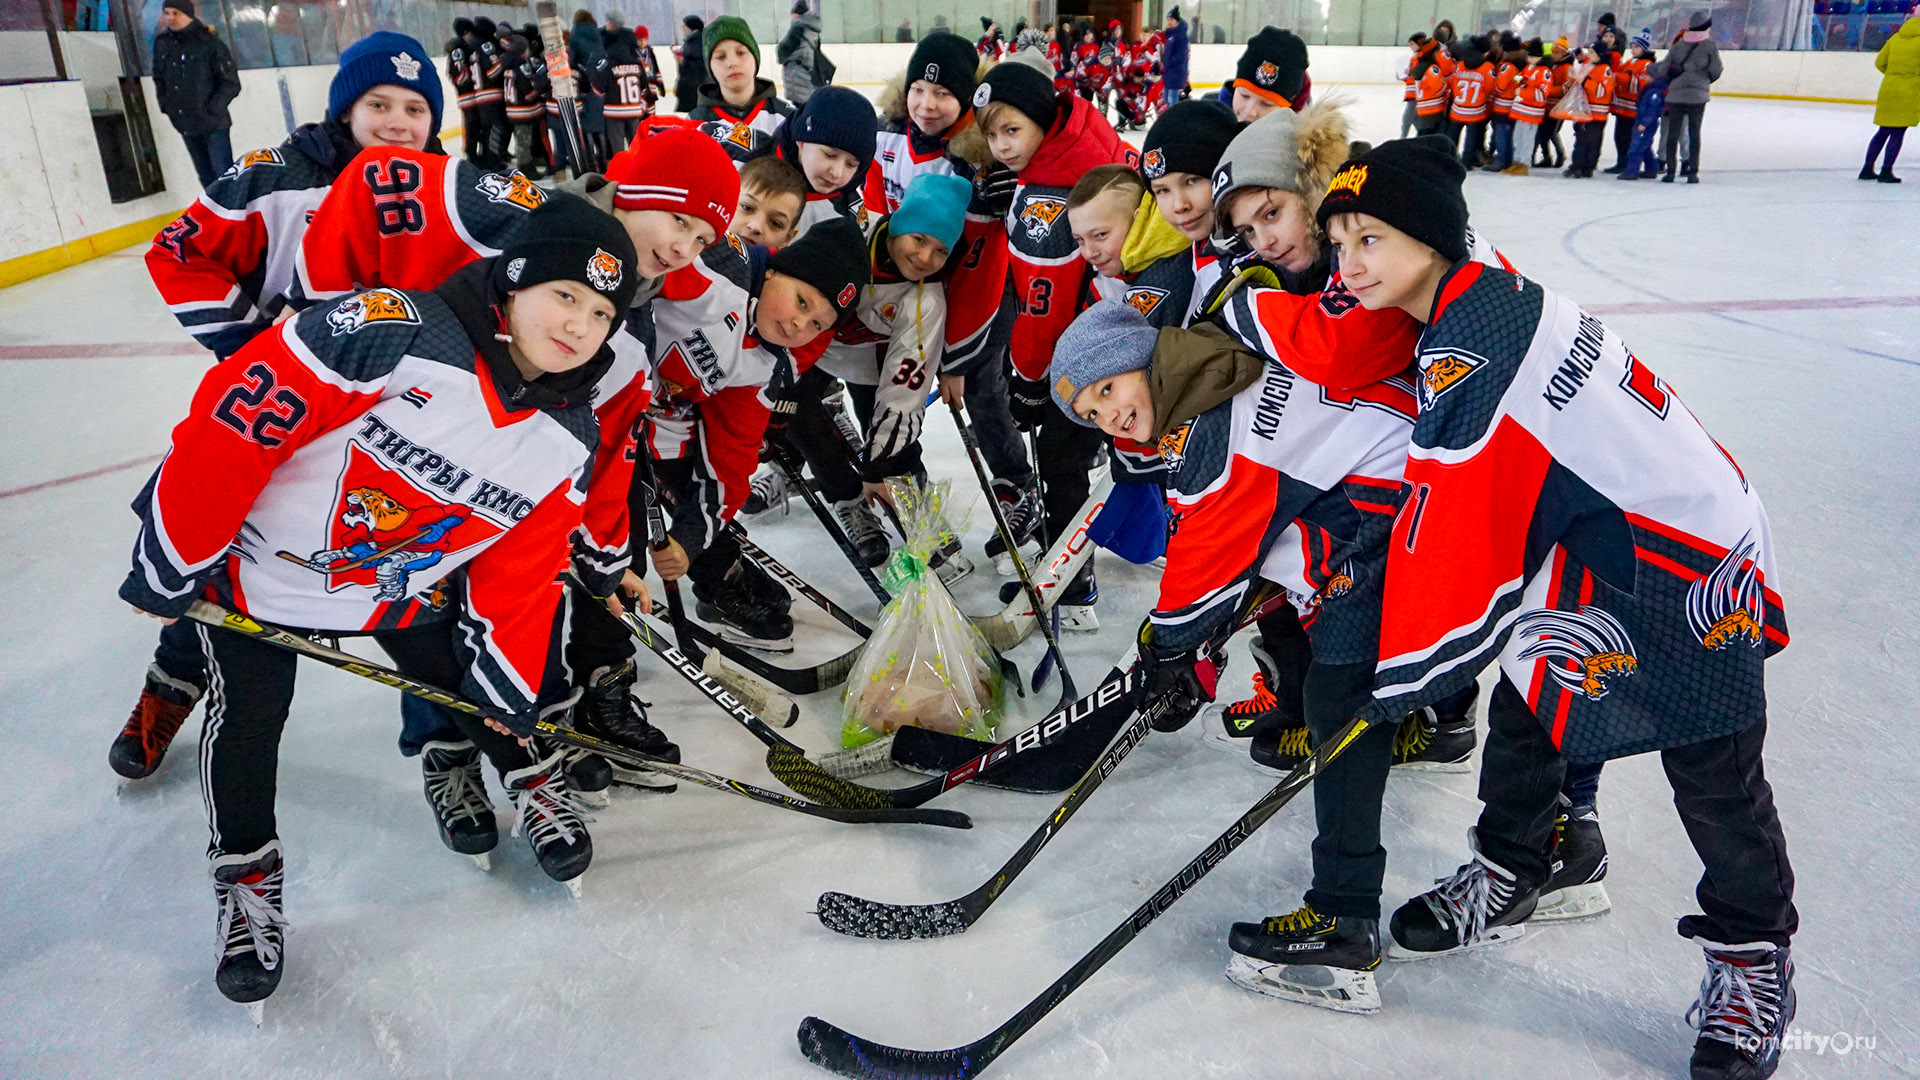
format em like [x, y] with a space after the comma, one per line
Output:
[993, 191]
[1177, 683]
[1029, 402]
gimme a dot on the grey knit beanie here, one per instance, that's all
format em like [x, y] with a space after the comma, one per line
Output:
[1110, 338]
[1264, 155]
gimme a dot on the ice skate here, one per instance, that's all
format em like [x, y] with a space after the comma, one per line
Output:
[743, 613]
[1281, 748]
[165, 703]
[1482, 904]
[612, 712]
[1076, 603]
[1577, 889]
[1746, 1002]
[252, 926]
[950, 564]
[1430, 742]
[550, 819]
[767, 493]
[457, 792]
[1021, 507]
[863, 530]
[1262, 710]
[1310, 958]
[589, 776]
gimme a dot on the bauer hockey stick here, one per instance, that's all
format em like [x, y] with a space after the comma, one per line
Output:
[839, 1051]
[782, 459]
[779, 572]
[1010, 626]
[214, 615]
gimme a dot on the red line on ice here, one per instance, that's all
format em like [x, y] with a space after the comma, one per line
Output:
[77, 477]
[1714, 307]
[100, 350]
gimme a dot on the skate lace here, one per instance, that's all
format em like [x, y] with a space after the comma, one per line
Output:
[1739, 1003]
[1465, 900]
[549, 811]
[1304, 920]
[250, 917]
[859, 522]
[459, 791]
[1263, 699]
[1414, 736]
[1294, 743]
[769, 489]
[156, 721]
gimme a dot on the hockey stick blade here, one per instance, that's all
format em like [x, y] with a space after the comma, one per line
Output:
[840, 1051]
[809, 680]
[1014, 623]
[760, 697]
[872, 759]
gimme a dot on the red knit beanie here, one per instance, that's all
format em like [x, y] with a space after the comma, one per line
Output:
[678, 170]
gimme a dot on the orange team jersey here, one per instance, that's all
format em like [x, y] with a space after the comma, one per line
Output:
[1506, 86]
[1628, 78]
[1599, 87]
[1433, 97]
[1472, 94]
[1530, 103]
[1409, 80]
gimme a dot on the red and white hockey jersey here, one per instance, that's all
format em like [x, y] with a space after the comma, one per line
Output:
[894, 340]
[902, 152]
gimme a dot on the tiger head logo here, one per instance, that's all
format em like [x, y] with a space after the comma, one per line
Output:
[603, 271]
[375, 509]
[372, 306]
[1267, 73]
[255, 157]
[1145, 298]
[1727, 607]
[511, 189]
[1442, 370]
[1039, 215]
[729, 133]
[1586, 650]
[1154, 165]
[739, 247]
[1173, 445]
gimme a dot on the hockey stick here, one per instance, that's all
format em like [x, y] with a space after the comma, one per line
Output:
[782, 459]
[1011, 625]
[353, 564]
[791, 580]
[213, 615]
[1053, 616]
[1067, 692]
[560, 75]
[838, 1051]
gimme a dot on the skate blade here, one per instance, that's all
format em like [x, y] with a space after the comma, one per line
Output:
[1340, 989]
[593, 800]
[767, 645]
[573, 886]
[483, 860]
[1500, 936]
[256, 1011]
[645, 780]
[1463, 765]
[1573, 902]
[1079, 619]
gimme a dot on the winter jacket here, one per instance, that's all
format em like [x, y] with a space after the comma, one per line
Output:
[691, 72]
[1899, 102]
[744, 133]
[1690, 67]
[195, 78]
[1628, 77]
[1173, 58]
[626, 76]
[798, 54]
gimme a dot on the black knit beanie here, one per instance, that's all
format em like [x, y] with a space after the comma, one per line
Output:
[1275, 65]
[1413, 185]
[1188, 138]
[569, 239]
[832, 257]
[945, 59]
[485, 28]
[1022, 87]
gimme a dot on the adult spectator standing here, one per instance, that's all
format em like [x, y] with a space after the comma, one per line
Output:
[1173, 60]
[799, 53]
[195, 79]
[692, 67]
[1898, 106]
[592, 78]
[1691, 66]
[1609, 34]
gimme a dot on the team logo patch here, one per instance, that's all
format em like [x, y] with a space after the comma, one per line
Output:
[603, 271]
[1154, 165]
[981, 95]
[372, 306]
[1337, 586]
[1145, 298]
[1726, 607]
[1173, 445]
[406, 67]
[1352, 178]
[511, 189]
[1267, 73]
[1443, 369]
[738, 247]
[888, 311]
[515, 269]
[1039, 215]
[847, 294]
[932, 73]
[255, 157]
[1586, 650]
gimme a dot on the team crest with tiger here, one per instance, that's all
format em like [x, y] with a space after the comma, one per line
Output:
[1443, 369]
[372, 306]
[1586, 650]
[511, 189]
[255, 157]
[1337, 586]
[738, 247]
[1727, 607]
[1266, 73]
[603, 271]
[1154, 165]
[1039, 215]
[1145, 298]
[1173, 445]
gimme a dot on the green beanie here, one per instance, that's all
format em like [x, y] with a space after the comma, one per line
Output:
[730, 28]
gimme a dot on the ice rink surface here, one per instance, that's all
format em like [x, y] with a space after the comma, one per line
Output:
[1780, 297]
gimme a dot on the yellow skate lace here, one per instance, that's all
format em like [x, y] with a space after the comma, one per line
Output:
[1302, 921]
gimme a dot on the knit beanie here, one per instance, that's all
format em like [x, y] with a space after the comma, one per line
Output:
[935, 204]
[462, 26]
[679, 170]
[1700, 21]
[945, 59]
[694, 24]
[1266, 154]
[1188, 138]
[1413, 185]
[1643, 39]
[185, 7]
[832, 257]
[484, 28]
[838, 117]
[1606, 19]
[569, 239]
[384, 58]
[1274, 66]
[1110, 338]
[729, 28]
[1022, 87]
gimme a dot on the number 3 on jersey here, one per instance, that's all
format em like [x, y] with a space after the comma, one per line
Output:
[1039, 299]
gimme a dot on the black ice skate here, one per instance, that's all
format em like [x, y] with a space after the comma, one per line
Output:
[1257, 714]
[165, 703]
[1430, 742]
[767, 492]
[1076, 603]
[1281, 749]
[857, 520]
[1482, 904]
[1310, 958]
[550, 820]
[589, 776]
[1577, 889]
[1746, 1001]
[1021, 506]
[612, 712]
[252, 928]
[744, 610]
[949, 563]
[458, 795]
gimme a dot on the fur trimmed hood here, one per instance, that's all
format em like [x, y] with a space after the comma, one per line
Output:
[969, 145]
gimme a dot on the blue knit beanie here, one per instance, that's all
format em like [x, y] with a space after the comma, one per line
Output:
[838, 117]
[935, 205]
[1110, 338]
[384, 58]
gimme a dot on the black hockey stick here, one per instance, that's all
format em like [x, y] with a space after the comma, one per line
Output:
[1067, 691]
[783, 459]
[807, 680]
[1053, 616]
[791, 580]
[214, 615]
[560, 75]
[838, 1051]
